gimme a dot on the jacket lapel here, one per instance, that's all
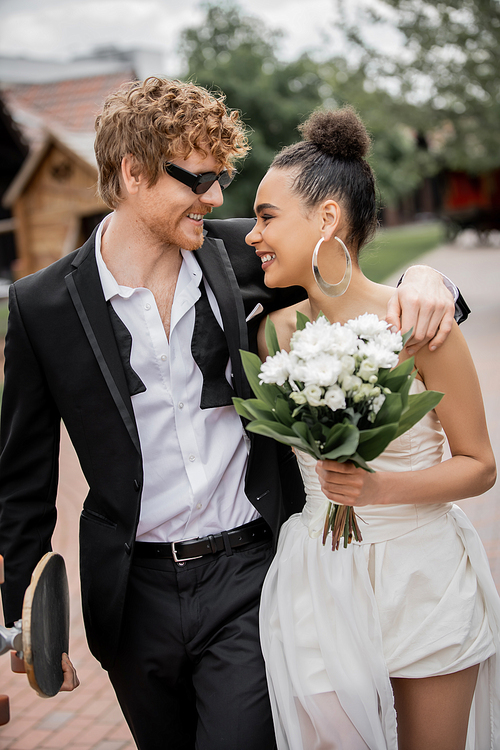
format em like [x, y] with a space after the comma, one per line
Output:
[85, 289]
[217, 269]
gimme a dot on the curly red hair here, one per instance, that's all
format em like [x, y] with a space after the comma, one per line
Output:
[157, 120]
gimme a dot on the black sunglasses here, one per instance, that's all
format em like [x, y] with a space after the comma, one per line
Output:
[199, 183]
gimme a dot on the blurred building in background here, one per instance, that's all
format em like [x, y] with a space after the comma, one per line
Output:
[48, 171]
[460, 199]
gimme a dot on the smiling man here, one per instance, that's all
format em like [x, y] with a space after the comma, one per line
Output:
[133, 341]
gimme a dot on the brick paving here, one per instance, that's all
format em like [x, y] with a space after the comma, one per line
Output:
[89, 718]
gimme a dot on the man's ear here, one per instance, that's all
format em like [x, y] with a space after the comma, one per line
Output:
[131, 174]
[330, 217]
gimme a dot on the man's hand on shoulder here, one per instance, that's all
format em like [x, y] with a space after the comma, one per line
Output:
[424, 303]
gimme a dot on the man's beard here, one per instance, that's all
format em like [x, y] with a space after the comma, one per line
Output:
[171, 234]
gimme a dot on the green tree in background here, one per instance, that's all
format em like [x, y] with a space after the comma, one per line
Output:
[449, 71]
[236, 54]
[398, 157]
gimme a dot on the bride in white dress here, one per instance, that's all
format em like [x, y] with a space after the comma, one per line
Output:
[390, 643]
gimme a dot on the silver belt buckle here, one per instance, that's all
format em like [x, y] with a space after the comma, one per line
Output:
[174, 553]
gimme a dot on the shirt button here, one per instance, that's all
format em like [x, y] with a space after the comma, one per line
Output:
[163, 357]
[199, 506]
[192, 458]
[181, 405]
[147, 306]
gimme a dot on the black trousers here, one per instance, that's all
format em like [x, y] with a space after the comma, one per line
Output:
[189, 674]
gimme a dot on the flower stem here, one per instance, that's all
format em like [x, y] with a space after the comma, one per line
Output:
[341, 521]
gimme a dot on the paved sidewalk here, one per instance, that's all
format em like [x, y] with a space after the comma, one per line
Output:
[89, 718]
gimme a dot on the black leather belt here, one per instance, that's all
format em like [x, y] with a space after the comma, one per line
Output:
[192, 549]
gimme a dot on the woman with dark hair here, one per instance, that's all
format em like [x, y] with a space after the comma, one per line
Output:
[386, 643]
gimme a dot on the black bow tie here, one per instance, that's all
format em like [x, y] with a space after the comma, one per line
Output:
[210, 352]
[208, 347]
[124, 341]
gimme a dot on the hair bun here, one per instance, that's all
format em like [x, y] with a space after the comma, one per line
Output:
[338, 133]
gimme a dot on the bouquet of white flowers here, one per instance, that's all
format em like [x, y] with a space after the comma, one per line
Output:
[339, 394]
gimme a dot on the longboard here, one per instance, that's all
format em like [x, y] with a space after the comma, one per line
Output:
[45, 625]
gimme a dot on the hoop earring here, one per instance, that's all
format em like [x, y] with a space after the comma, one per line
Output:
[332, 290]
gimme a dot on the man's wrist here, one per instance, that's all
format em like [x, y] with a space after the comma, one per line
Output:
[462, 310]
[446, 281]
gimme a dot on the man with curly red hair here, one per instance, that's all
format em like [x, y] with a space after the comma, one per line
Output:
[133, 341]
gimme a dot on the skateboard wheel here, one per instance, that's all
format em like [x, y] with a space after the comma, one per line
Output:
[4, 709]
[16, 664]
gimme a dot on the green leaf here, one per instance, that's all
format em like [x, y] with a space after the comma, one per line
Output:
[265, 391]
[317, 432]
[303, 432]
[298, 410]
[405, 390]
[282, 434]
[272, 342]
[373, 442]
[407, 335]
[390, 411]
[418, 406]
[341, 442]
[301, 321]
[397, 377]
[240, 406]
[383, 374]
[251, 364]
[352, 416]
[336, 435]
[282, 412]
[359, 461]
[258, 409]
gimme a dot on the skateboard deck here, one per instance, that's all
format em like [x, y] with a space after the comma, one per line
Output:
[45, 625]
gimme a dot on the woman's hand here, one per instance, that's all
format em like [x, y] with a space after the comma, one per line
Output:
[71, 680]
[346, 484]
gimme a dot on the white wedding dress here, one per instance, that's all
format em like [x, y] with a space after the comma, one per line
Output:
[414, 599]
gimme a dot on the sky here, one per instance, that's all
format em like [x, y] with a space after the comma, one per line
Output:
[63, 29]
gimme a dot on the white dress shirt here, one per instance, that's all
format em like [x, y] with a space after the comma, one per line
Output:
[194, 459]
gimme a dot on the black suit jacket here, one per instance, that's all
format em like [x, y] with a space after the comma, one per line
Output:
[62, 361]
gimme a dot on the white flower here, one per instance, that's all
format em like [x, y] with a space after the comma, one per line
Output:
[297, 368]
[298, 398]
[322, 370]
[391, 341]
[342, 341]
[378, 355]
[335, 398]
[363, 393]
[377, 403]
[275, 369]
[367, 325]
[312, 339]
[350, 383]
[348, 365]
[367, 369]
[314, 395]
